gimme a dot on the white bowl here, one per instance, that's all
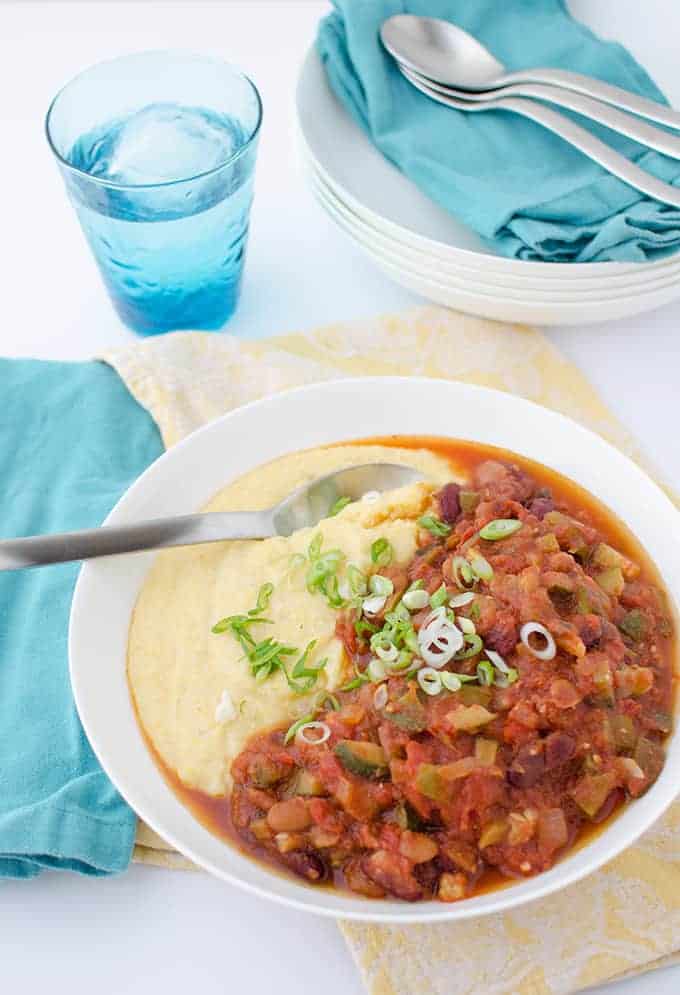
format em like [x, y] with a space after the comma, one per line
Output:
[184, 478]
[388, 200]
[498, 302]
[434, 267]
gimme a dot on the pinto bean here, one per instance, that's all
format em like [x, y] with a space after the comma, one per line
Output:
[394, 874]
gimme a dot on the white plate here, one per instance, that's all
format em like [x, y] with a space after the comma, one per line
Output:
[464, 295]
[372, 186]
[185, 477]
[436, 268]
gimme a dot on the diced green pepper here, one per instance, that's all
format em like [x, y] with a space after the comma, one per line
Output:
[431, 784]
[634, 625]
[592, 791]
[407, 712]
[611, 581]
[468, 501]
[649, 756]
[623, 731]
[493, 833]
[472, 694]
[362, 758]
[605, 556]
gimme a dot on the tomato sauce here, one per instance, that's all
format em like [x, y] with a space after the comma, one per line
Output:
[535, 742]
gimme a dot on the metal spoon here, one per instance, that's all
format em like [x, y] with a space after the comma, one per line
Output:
[577, 136]
[305, 507]
[626, 124]
[450, 56]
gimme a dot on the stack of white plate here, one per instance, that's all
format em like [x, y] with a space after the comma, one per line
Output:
[425, 249]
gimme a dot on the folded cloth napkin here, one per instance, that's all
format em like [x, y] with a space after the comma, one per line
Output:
[522, 188]
[623, 919]
[72, 439]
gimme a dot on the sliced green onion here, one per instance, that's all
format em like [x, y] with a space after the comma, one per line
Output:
[352, 685]
[403, 661]
[331, 589]
[381, 552]
[297, 560]
[376, 671]
[292, 731]
[434, 526]
[481, 567]
[429, 680]
[388, 655]
[466, 625]
[460, 600]
[504, 680]
[474, 646]
[439, 597]
[374, 604]
[329, 702]
[337, 507]
[500, 528]
[380, 585]
[315, 547]
[451, 682]
[264, 596]
[475, 613]
[323, 730]
[400, 613]
[357, 580]
[415, 600]
[415, 585]
[462, 572]
[362, 627]
[485, 673]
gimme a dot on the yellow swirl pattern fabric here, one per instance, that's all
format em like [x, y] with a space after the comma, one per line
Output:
[621, 920]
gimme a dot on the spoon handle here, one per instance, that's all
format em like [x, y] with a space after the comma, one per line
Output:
[109, 540]
[621, 121]
[577, 136]
[605, 92]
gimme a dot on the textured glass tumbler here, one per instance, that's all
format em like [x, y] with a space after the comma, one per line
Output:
[158, 152]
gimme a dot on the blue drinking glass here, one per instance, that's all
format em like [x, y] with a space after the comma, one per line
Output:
[158, 152]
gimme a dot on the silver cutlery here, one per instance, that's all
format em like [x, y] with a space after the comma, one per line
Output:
[579, 137]
[450, 56]
[305, 507]
[626, 124]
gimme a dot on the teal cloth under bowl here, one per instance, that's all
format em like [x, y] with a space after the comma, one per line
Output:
[72, 440]
[523, 189]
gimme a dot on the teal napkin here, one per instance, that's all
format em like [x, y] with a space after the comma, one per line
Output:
[72, 439]
[528, 193]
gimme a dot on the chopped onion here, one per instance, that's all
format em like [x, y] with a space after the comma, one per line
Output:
[380, 696]
[430, 681]
[320, 727]
[225, 711]
[370, 496]
[458, 600]
[376, 671]
[529, 629]
[415, 600]
[466, 625]
[375, 604]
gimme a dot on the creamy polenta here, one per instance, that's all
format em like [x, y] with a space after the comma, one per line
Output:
[179, 671]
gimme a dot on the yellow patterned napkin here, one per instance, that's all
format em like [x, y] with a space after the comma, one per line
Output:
[623, 919]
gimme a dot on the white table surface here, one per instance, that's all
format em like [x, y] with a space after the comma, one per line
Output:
[153, 930]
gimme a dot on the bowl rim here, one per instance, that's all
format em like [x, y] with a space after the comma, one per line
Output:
[96, 575]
